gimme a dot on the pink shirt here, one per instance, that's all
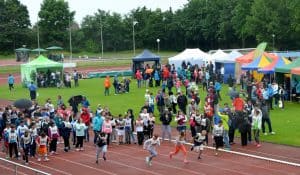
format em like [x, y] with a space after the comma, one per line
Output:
[106, 127]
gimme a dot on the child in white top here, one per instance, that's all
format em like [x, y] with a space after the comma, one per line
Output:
[199, 140]
[150, 145]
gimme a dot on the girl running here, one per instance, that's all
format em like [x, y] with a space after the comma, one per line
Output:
[107, 128]
[101, 143]
[179, 146]
[150, 145]
[198, 143]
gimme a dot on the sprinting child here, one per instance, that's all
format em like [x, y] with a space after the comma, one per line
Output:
[199, 140]
[150, 145]
[12, 142]
[42, 144]
[179, 146]
[121, 128]
[218, 136]
[25, 145]
[101, 144]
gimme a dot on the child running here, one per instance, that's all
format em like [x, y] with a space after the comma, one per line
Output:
[101, 143]
[150, 146]
[198, 143]
[180, 146]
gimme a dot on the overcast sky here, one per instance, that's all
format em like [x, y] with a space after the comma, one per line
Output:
[89, 7]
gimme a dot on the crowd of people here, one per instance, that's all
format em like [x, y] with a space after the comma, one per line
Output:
[35, 132]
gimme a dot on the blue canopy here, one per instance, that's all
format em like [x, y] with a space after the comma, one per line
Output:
[288, 54]
[146, 55]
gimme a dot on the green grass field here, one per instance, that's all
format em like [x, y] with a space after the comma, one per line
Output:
[285, 122]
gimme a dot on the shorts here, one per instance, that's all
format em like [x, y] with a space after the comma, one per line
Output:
[181, 128]
[42, 150]
[103, 148]
[121, 132]
[199, 148]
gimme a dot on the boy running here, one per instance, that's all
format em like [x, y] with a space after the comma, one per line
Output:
[199, 140]
[150, 146]
[101, 143]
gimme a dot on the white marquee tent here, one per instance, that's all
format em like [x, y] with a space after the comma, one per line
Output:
[234, 55]
[194, 56]
[221, 57]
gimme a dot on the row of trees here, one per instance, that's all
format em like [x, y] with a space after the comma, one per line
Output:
[200, 23]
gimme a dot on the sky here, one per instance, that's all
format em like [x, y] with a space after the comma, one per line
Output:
[89, 7]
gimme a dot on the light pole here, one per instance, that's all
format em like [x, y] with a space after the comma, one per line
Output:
[273, 36]
[101, 36]
[157, 40]
[38, 35]
[70, 38]
[133, 37]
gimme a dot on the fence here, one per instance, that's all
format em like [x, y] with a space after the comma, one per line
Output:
[19, 168]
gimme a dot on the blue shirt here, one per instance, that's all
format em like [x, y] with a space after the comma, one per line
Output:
[32, 87]
[85, 103]
[218, 86]
[11, 80]
[97, 123]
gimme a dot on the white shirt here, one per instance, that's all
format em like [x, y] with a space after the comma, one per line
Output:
[139, 126]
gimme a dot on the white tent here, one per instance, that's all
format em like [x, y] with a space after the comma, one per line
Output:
[194, 56]
[234, 55]
[221, 57]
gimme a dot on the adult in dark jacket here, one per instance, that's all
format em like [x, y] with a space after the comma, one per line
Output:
[182, 102]
[65, 133]
[166, 118]
[266, 118]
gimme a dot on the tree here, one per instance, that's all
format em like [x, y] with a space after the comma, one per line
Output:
[55, 19]
[14, 23]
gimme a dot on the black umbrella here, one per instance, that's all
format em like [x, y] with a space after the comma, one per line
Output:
[76, 99]
[23, 104]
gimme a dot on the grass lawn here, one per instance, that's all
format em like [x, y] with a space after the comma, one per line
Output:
[285, 122]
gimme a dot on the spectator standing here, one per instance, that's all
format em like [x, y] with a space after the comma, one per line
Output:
[32, 90]
[75, 77]
[10, 81]
[107, 85]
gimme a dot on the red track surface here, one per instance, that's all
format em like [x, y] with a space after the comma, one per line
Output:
[130, 159]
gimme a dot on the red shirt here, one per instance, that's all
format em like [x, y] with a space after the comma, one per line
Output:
[238, 104]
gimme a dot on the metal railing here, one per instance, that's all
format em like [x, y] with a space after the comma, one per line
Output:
[16, 165]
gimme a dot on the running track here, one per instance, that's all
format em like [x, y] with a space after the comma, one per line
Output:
[130, 159]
